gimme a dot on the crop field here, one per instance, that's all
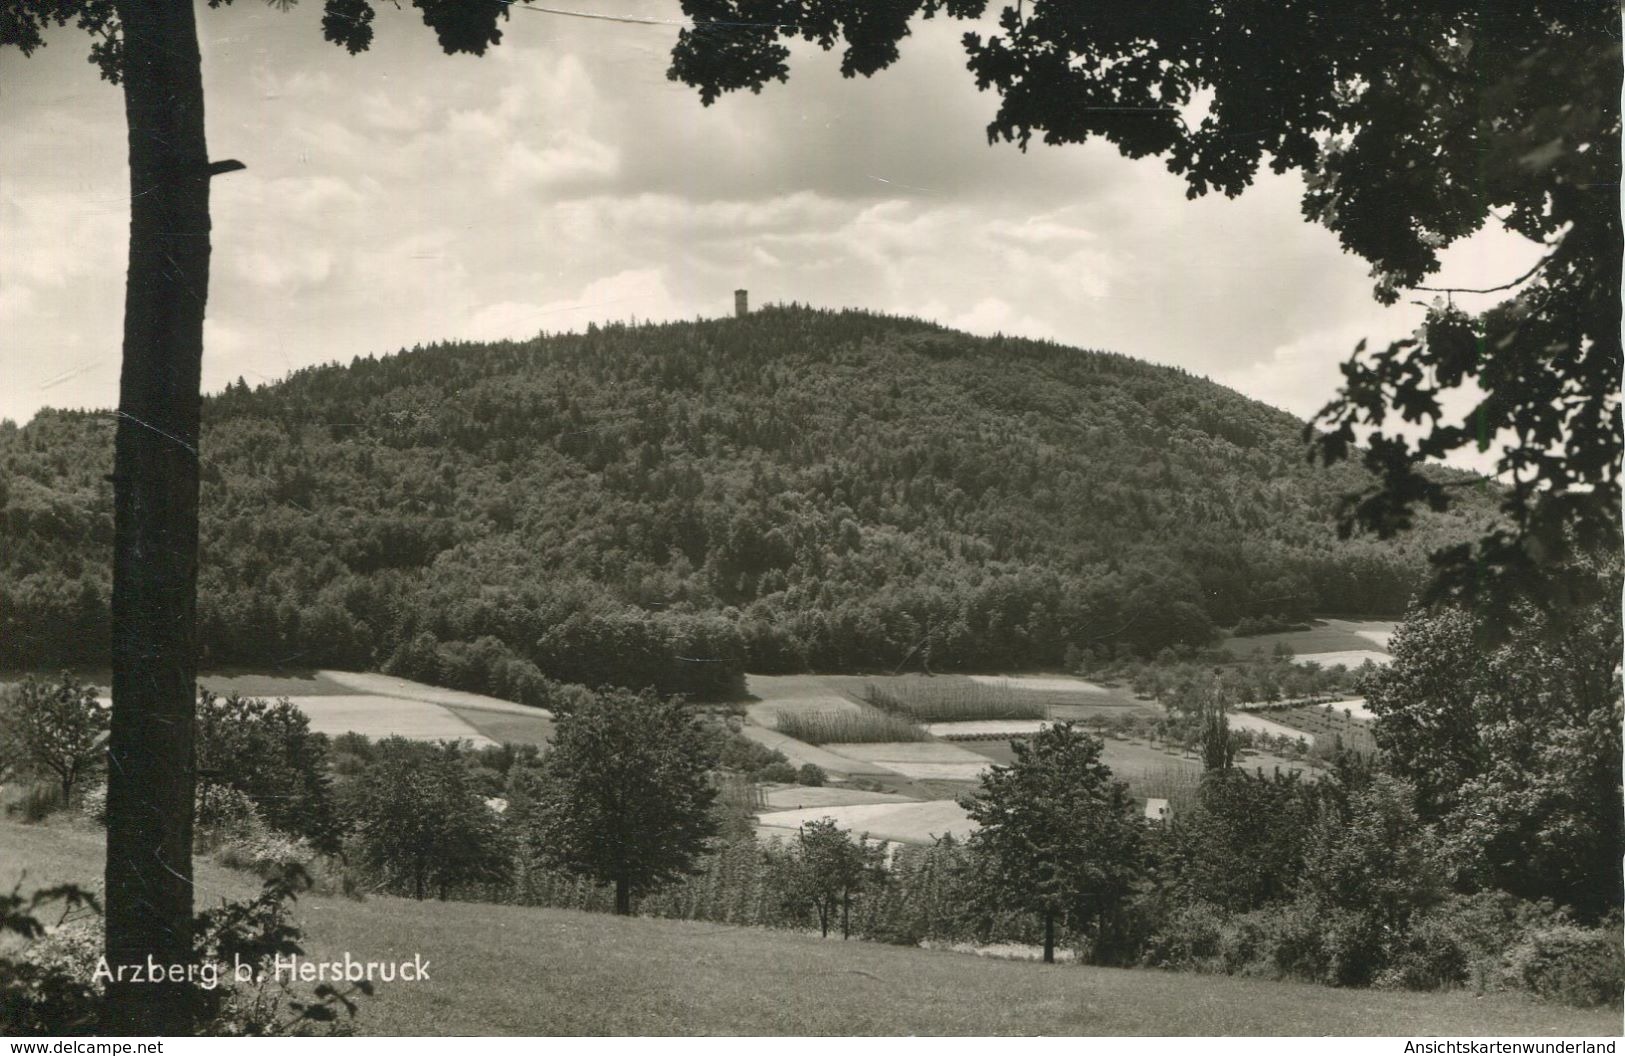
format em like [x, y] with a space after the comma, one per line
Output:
[1351, 658]
[1355, 707]
[952, 700]
[534, 729]
[612, 975]
[1130, 761]
[1039, 683]
[1246, 720]
[1065, 697]
[795, 797]
[801, 753]
[1329, 723]
[861, 725]
[898, 822]
[776, 694]
[378, 717]
[937, 760]
[990, 729]
[1325, 636]
[380, 706]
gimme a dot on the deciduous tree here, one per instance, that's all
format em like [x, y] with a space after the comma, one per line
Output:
[1515, 752]
[266, 751]
[827, 869]
[422, 822]
[1059, 836]
[59, 727]
[624, 794]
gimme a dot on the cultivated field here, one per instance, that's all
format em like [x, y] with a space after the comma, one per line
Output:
[1130, 761]
[1246, 720]
[594, 974]
[1040, 683]
[776, 693]
[1355, 707]
[800, 753]
[1327, 642]
[953, 700]
[905, 822]
[1330, 723]
[795, 797]
[378, 716]
[864, 725]
[382, 706]
[922, 759]
[991, 729]
[936, 762]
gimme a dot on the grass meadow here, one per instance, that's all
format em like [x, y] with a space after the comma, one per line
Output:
[1327, 635]
[505, 970]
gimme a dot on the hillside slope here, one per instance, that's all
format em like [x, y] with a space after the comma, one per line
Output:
[668, 504]
[510, 970]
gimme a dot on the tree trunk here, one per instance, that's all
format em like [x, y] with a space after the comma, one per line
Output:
[1049, 937]
[151, 774]
[623, 897]
[846, 917]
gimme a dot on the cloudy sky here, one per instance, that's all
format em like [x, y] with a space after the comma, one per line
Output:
[403, 196]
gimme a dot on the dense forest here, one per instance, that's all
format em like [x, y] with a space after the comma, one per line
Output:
[671, 505]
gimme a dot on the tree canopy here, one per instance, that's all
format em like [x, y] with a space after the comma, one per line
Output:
[1514, 752]
[624, 794]
[56, 727]
[1057, 835]
[796, 489]
[1414, 126]
[421, 820]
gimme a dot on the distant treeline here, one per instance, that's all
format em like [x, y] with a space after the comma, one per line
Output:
[672, 505]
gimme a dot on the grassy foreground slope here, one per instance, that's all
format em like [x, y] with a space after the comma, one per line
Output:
[504, 970]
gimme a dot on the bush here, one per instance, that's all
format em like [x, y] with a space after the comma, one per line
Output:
[777, 774]
[47, 985]
[811, 775]
[1291, 940]
[38, 802]
[1191, 938]
[223, 815]
[1573, 965]
[1462, 941]
[267, 751]
[266, 853]
[1244, 946]
[1433, 954]
[735, 751]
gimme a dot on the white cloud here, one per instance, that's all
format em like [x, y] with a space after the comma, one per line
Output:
[402, 196]
[285, 271]
[638, 293]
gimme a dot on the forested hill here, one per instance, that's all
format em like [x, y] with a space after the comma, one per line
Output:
[672, 504]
